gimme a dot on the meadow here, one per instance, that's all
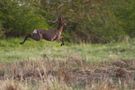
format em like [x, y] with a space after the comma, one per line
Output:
[11, 50]
[48, 66]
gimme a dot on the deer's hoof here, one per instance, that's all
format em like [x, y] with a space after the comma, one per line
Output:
[62, 44]
[21, 43]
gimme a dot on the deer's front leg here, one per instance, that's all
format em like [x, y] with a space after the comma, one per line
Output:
[62, 41]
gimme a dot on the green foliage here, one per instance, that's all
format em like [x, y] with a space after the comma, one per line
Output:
[126, 14]
[18, 19]
[1, 31]
[94, 20]
[88, 20]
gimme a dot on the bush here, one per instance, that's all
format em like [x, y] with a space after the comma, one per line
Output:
[18, 19]
[1, 31]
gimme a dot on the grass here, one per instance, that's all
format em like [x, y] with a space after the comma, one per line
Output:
[69, 74]
[46, 65]
[11, 50]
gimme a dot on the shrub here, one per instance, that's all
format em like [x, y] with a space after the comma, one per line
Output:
[18, 19]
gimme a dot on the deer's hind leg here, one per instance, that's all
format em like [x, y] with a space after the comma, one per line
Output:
[34, 36]
[26, 38]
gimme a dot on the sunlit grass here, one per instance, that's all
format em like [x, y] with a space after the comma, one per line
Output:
[11, 50]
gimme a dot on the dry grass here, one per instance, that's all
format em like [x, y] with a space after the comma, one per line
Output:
[12, 85]
[73, 73]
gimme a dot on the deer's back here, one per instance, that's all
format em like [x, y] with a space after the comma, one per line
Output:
[47, 34]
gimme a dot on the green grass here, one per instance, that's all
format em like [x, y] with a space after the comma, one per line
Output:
[11, 50]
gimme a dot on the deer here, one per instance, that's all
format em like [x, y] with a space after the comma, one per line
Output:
[50, 34]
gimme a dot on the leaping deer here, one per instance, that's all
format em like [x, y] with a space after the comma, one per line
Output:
[49, 35]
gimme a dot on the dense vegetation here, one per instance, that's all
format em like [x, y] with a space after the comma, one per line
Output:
[88, 20]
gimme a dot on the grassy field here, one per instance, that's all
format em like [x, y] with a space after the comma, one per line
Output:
[48, 66]
[11, 50]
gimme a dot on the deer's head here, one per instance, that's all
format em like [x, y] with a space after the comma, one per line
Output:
[61, 21]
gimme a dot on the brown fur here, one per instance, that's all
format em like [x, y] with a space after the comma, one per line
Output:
[50, 35]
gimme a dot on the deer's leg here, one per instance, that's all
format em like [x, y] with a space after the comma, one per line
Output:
[62, 41]
[34, 36]
[26, 38]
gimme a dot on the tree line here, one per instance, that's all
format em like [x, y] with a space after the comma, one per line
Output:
[96, 21]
